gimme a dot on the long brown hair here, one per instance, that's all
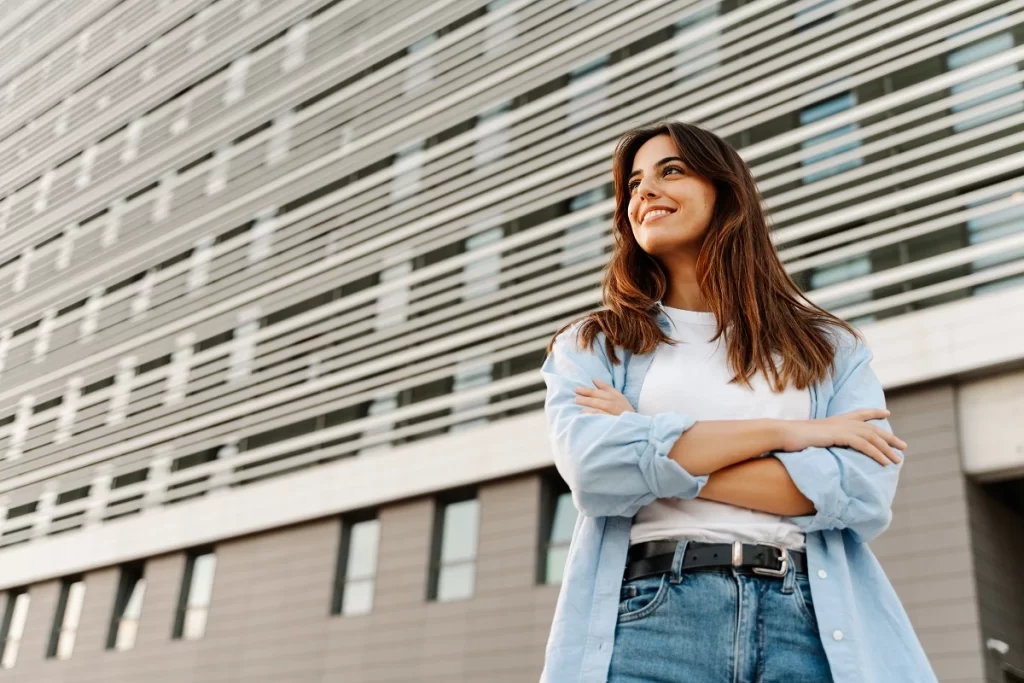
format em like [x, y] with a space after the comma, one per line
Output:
[760, 310]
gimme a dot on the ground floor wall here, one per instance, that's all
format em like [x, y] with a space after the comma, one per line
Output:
[951, 553]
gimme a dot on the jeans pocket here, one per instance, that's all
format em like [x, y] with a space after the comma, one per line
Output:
[802, 597]
[640, 597]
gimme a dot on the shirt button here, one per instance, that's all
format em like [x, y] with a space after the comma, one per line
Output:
[822, 574]
[837, 635]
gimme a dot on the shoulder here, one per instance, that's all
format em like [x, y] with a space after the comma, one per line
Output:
[569, 345]
[851, 352]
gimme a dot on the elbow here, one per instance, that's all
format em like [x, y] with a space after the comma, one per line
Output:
[868, 520]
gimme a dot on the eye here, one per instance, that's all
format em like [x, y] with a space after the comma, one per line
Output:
[632, 184]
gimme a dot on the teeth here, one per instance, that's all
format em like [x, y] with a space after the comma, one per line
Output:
[655, 213]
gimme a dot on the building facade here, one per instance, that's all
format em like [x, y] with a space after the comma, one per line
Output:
[277, 279]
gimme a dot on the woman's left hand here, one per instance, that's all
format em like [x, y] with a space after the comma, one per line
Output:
[604, 399]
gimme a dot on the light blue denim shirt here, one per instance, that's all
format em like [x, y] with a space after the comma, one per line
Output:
[616, 464]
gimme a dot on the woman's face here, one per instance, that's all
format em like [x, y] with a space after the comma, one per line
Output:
[660, 179]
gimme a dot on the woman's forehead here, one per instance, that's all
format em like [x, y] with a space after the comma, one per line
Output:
[653, 151]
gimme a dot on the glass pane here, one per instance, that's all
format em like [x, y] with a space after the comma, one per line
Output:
[364, 540]
[842, 271]
[564, 519]
[201, 589]
[10, 654]
[357, 598]
[126, 632]
[460, 531]
[556, 558]
[456, 582]
[65, 644]
[968, 55]
[73, 609]
[195, 623]
[133, 608]
[17, 628]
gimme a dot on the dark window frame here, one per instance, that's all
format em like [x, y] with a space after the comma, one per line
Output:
[131, 574]
[441, 502]
[551, 489]
[8, 617]
[58, 618]
[186, 588]
[344, 546]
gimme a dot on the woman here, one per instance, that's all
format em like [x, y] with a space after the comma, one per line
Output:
[727, 448]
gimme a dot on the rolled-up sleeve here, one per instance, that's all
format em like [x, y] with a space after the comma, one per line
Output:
[849, 489]
[614, 464]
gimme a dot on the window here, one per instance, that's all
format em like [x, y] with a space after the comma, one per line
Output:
[65, 621]
[419, 73]
[588, 93]
[196, 591]
[408, 170]
[710, 45]
[392, 306]
[357, 567]
[499, 34]
[453, 560]
[998, 224]
[816, 113]
[13, 626]
[843, 271]
[579, 242]
[984, 49]
[471, 373]
[127, 609]
[492, 145]
[381, 405]
[482, 275]
[819, 13]
[558, 519]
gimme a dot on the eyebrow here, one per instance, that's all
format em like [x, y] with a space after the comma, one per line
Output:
[660, 163]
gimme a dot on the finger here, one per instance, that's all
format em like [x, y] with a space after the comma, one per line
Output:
[865, 447]
[884, 447]
[598, 403]
[864, 414]
[891, 438]
[891, 441]
[591, 391]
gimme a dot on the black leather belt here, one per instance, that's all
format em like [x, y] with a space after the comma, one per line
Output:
[655, 557]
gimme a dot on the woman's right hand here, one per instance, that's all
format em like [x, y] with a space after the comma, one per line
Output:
[849, 429]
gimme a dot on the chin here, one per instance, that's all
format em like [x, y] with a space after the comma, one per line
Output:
[657, 245]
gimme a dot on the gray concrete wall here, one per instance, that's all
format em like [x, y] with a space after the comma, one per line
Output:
[270, 620]
[926, 552]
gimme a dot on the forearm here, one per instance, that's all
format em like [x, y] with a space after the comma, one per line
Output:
[760, 484]
[710, 445]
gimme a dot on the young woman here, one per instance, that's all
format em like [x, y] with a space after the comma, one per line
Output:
[727, 447]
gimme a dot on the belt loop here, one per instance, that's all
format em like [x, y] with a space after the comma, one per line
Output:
[789, 582]
[676, 575]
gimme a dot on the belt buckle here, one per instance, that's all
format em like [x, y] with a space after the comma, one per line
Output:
[783, 565]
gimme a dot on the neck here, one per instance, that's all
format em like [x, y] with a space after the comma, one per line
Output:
[683, 290]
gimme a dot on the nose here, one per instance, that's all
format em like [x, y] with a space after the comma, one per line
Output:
[646, 187]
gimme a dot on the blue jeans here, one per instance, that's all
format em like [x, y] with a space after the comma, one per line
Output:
[717, 625]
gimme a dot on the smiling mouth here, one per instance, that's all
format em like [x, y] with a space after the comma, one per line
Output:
[650, 219]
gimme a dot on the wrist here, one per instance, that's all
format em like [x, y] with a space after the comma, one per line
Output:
[777, 434]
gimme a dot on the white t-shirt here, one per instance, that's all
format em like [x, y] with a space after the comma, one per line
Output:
[693, 378]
